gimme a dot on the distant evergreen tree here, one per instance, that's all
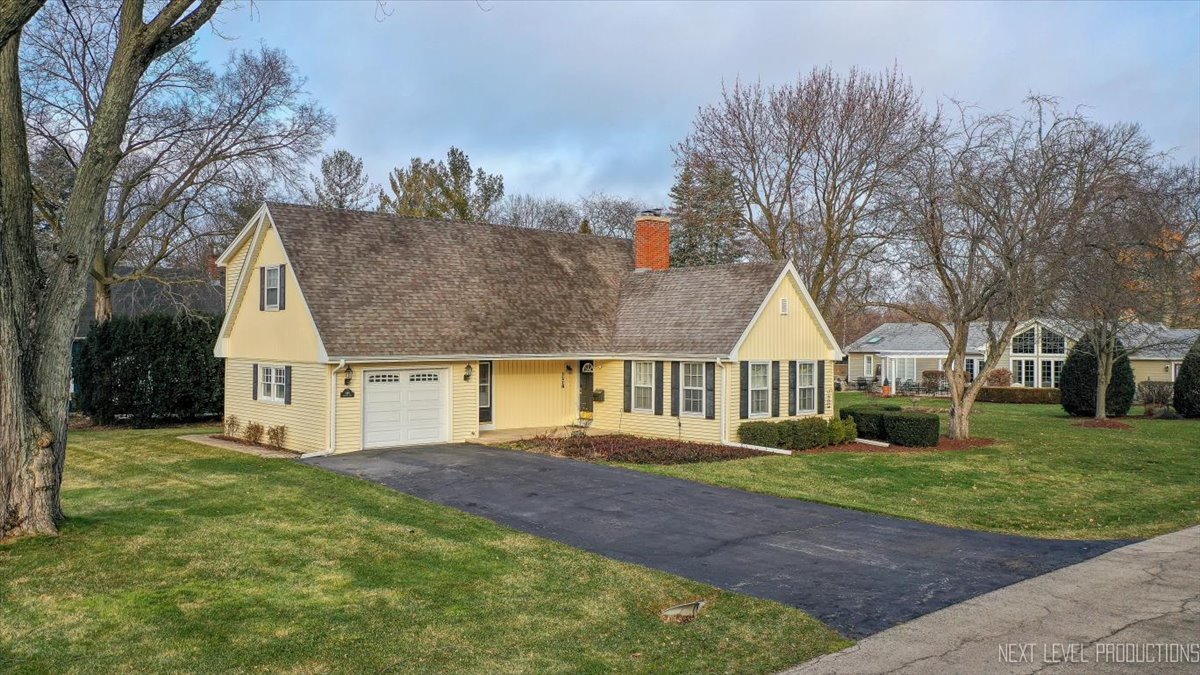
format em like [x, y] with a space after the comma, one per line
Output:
[585, 226]
[343, 184]
[1187, 384]
[1079, 378]
[704, 206]
[447, 189]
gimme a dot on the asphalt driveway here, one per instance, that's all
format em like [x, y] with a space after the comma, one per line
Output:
[858, 572]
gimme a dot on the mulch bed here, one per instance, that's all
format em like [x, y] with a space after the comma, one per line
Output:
[242, 441]
[635, 450]
[1102, 424]
[944, 445]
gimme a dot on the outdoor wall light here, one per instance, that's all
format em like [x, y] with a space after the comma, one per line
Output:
[569, 370]
[349, 375]
[467, 373]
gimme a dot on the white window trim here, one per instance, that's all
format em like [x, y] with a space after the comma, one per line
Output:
[1040, 344]
[634, 388]
[784, 306]
[750, 389]
[278, 374]
[1051, 385]
[1037, 344]
[703, 388]
[796, 388]
[267, 286]
[1012, 367]
[869, 365]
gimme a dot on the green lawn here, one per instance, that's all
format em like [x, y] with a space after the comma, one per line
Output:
[1046, 478]
[179, 557]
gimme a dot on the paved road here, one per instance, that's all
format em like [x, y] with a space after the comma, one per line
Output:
[859, 572]
[1132, 610]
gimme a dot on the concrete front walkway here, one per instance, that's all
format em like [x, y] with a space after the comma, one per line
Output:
[1140, 603]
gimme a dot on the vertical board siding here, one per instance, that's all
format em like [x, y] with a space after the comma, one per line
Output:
[796, 335]
[305, 418]
[611, 417]
[534, 394]
[464, 401]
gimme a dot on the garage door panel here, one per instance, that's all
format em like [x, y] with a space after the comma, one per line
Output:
[405, 407]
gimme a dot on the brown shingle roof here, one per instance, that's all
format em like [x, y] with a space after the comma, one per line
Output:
[691, 310]
[382, 286]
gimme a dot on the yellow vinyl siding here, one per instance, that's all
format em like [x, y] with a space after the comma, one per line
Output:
[1155, 371]
[735, 408]
[534, 394]
[464, 402]
[304, 417]
[287, 335]
[796, 335]
[233, 270]
[610, 415]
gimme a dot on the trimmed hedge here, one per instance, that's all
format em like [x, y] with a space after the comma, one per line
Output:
[1187, 385]
[1080, 374]
[912, 429]
[891, 424]
[150, 369]
[1019, 395]
[866, 418]
[801, 434]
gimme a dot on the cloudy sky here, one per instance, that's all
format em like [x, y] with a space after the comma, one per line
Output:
[567, 99]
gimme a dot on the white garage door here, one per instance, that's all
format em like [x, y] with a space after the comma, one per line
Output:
[404, 407]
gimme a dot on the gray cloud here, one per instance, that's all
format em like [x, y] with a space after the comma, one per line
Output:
[570, 98]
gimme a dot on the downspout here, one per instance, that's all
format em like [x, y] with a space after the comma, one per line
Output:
[333, 397]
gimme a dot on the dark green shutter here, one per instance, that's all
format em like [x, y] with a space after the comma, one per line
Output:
[628, 386]
[791, 388]
[283, 288]
[745, 387]
[774, 389]
[676, 389]
[262, 289]
[710, 393]
[254, 383]
[287, 385]
[658, 387]
[820, 387]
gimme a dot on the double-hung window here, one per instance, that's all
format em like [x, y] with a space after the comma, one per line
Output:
[271, 287]
[869, 365]
[643, 386]
[760, 389]
[693, 389]
[272, 384]
[806, 387]
[1024, 372]
[969, 364]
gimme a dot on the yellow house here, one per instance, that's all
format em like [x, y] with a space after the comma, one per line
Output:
[361, 330]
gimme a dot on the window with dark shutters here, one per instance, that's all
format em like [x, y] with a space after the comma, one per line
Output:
[658, 387]
[628, 386]
[287, 392]
[254, 383]
[820, 387]
[792, 393]
[710, 391]
[774, 389]
[744, 403]
[676, 389]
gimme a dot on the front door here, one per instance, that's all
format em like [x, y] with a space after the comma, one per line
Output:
[485, 392]
[586, 380]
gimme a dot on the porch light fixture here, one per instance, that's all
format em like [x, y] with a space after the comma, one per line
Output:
[468, 372]
[349, 375]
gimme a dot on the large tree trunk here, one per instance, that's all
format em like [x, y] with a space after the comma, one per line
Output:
[1104, 366]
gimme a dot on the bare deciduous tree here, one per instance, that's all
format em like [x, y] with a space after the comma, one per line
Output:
[541, 213]
[813, 164]
[987, 208]
[193, 136]
[41, 292]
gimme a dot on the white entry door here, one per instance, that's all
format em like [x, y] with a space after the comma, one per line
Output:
[405, 407]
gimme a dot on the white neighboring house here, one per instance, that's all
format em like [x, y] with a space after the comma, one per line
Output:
[899, 352]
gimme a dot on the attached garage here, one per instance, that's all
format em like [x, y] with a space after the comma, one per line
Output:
[406, 407]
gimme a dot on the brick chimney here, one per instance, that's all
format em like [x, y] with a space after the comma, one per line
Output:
[651, 241]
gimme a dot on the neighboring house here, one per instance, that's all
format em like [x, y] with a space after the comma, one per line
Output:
[361, 330]
[902, 351]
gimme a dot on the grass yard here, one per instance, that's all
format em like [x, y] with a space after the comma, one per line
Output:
[1046, 477]
[181, 557]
